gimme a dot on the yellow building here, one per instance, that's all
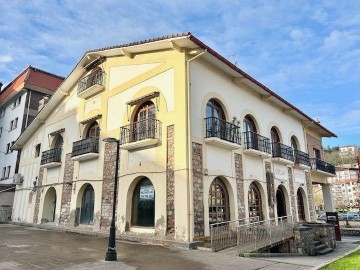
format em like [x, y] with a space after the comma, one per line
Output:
[200, 141]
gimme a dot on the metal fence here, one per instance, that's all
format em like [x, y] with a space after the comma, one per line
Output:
[255, 141]
[90, 80]
[301, 158]
[88, 145]
[317, 164]
[282, 151]
[52, 155]
[141, 130]
[218, 128]
[261, 234]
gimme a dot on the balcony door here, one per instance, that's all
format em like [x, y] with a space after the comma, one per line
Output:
[219, 210]
[280, 203]
[87, 206]
[93, 131]
[215, 120]
[255, 202]
[250, 134]
[144, 126]
[275, 140]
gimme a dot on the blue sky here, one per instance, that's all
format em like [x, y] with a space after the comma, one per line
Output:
[306, 51]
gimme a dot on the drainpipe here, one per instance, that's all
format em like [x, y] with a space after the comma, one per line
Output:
[189, 148]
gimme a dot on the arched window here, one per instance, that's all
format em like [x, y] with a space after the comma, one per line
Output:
[275, 140]
[255, 203]
[249, 124]
[143, 204]
[218, 202]
[280, 202]
[93, 131]
[300, 206]
[59, 142]
[294, 144]
[251, 140]
[144, 126]
[214, 109]
[87, 206]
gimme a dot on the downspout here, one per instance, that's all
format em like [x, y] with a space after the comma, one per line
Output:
[189, 152]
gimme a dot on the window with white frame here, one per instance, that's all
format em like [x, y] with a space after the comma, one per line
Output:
[17, 102]
[2, 112]
[8, 171]
[3, 173]
[13, 124]
[8, 148]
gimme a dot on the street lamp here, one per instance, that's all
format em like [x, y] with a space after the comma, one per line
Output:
[111, 252]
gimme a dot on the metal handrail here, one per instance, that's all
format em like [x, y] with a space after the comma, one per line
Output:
[255, 141]
[90, 80]
[141, 130]
[219, 128]
[85, 146]
[318, 164]
[282, 151]
[301, 158]
[52, 155]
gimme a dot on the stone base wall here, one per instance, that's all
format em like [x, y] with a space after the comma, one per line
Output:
[303, 241]
[66, 191]
[198, 193]
[292, 194]
[38, 195]
[240, 186]
[170, 189]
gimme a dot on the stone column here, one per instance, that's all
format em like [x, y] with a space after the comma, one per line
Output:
[198, 193]
[270, 183]
[38, 195]
[240, 186]
[292, 196]
[170, 189]
[310, 196]
[66, 191]
[328, 198]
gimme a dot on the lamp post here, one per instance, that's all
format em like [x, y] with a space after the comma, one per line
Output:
[111, 254]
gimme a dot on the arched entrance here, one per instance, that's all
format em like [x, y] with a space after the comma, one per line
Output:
[280, 202]
[255, 202]
[87, 206]
[143, 204]
[49, 207]
[219, 209]
[300, 206]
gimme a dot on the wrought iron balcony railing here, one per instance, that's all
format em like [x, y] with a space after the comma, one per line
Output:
[280, 150]
[90, 80]
[218, 128]
[141, 130]
[317, 164]
[255, 141]
[301, 158]
[50, 156]
[86, 146]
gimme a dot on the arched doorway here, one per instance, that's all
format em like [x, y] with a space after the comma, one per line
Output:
[255, 202]
[300, 206]
[87, 206]
[143, 204]
[49, 207]
[219, 209]
[280, 202]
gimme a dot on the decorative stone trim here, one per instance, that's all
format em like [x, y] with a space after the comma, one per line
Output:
[198, 193]
[108, 185]
[240, 185]
[38, 195]
[310, 196]
[292, 193]
[170, 189]
[270, 183]
[66, 191]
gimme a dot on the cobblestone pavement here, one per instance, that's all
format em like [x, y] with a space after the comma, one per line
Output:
[33, 248]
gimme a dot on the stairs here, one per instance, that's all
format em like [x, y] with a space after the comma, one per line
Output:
[321, 249]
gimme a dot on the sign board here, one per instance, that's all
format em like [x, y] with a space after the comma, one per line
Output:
[280, 172]
[299, 176]
[147, 193]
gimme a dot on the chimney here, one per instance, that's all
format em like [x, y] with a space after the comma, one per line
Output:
[1, 84]
[43, 102]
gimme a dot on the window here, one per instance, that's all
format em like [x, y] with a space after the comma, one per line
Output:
[0, 131]
[8, 172]
[2, 113]
[13, 124]
[8, 148]
[293, 143]
[17, 102]
[316, 153]
[37, 150]
[12, 143]
[218, 202]
[144, 126]
[255, 203]
[143, 204]
[93, 131]
[3, 173]
[213, 109]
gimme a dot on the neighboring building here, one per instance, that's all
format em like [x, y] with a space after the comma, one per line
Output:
[348, 150]
[201, 142]
[19, 102]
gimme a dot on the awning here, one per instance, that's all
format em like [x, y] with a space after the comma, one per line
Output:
[57, 132]
[86, 121]
[143, 98]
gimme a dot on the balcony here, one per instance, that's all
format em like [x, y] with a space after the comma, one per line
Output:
[141, 134]
[282, 153]
[302, 159]
[222, 133]
[85, 149]
[256, 145]
[91, 84]
[322, 167]
[51, 158]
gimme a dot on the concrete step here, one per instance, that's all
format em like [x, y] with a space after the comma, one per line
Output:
[320, 247]
[325, 251]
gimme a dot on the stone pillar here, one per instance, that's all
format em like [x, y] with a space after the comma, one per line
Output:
[66, 191]
[108, 185]
[240, 186]
[170, 189]
[328, 198]
[292, 195]
[38, 195]
[270, 183]
[198, 193]
[310, 196]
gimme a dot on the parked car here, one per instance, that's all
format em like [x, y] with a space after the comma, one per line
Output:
[352, 215]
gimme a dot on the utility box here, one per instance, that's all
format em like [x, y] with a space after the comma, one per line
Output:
[333, 218]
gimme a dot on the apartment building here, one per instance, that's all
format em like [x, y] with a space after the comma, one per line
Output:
[200, 140]
[19, 102]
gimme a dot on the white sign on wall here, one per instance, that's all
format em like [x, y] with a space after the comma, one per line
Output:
[147, 193]
[299, 176]
[280, 172]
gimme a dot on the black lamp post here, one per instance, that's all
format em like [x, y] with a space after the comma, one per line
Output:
[111, 252]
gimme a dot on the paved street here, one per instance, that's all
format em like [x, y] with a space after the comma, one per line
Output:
[32, 248]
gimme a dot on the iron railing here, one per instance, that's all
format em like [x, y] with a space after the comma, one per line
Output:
[90, 80]
[89, 145]
[50, 156]
[317, 164]
[255, 141]
[263, 234]
[301, 158]
[141, 130]
[224, 234]
[282, 151]
[218, 128]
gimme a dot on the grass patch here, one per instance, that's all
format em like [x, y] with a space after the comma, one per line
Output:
[349, 262]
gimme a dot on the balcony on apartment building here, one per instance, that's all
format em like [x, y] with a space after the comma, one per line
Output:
[282, 153]
[51, 158]
[256, 145]
[222, 133]
[323, 167]
[91, 84]
[85, 149]
[302, 159]
[141, 134]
